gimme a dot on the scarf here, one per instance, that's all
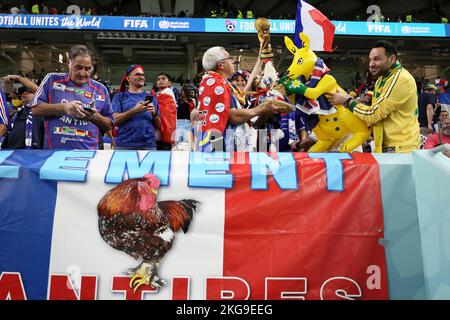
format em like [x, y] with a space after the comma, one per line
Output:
[379, 85]
[237, 93]
[29, 129]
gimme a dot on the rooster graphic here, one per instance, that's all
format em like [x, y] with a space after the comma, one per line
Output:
[132, 221]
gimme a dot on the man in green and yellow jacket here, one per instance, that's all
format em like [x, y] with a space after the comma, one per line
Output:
[394, 107]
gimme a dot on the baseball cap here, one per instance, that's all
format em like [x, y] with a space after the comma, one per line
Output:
[22, 90]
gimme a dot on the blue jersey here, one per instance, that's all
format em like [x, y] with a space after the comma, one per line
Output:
[67, 132]
[138, 131]
[4, 112]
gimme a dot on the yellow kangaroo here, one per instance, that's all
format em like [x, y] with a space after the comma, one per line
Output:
[331, 128]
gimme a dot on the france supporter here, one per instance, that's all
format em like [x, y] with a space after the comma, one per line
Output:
[75, 107]
[136, 113]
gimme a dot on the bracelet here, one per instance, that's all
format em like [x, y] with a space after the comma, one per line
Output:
[347, 102]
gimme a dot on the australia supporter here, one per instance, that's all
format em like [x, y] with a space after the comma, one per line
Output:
[136, 113]
[393, 112]
[75, 107]
[168, 111]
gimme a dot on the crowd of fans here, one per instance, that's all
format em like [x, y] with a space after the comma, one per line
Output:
[113, 9]
[167, 119]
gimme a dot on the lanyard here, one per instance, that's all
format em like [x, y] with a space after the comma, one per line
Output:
[29, 129]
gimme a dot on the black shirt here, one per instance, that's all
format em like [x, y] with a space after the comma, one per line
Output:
[15, 139]
[184, 109]
[425, 98]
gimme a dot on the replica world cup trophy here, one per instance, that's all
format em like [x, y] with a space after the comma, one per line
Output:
[262, 26]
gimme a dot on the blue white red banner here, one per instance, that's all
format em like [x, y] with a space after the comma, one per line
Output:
[281, 226]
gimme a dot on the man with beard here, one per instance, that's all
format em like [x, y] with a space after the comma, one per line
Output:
[440, 137]
[393, 112]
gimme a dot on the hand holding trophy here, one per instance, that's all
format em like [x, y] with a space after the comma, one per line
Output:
[262, 26]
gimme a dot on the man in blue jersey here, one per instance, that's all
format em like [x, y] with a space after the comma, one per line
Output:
[77, 109]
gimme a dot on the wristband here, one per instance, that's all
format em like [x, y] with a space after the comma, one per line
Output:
[347, 102]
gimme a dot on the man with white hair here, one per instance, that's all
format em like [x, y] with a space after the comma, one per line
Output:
[220, 105]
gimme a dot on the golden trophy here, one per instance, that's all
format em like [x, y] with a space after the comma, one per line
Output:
[262, 26]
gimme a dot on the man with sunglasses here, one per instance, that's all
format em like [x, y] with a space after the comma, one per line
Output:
[220, 109]
[76, 108]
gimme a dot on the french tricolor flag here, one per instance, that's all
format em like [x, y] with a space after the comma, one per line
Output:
[309, 230]
[315, 25]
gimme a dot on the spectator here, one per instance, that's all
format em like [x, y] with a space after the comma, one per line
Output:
[4, 115]
[443, 98]
[135, 116]
[27, 130]
[168, 111]
[427, 104]
[441, 137]
[14, 10]
[394, 104]
[218, 107]
[240, 78]
[186, 104]
[23, 10]
[53, 10]
[35, 8]
[440, 123]
[44, 9]
[76, 108]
